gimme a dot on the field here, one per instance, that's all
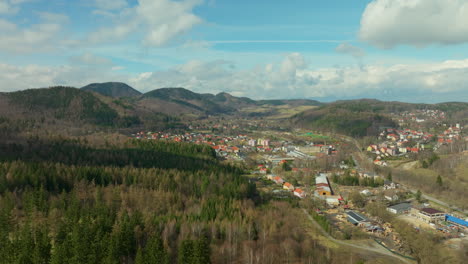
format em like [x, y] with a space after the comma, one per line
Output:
[276, 112]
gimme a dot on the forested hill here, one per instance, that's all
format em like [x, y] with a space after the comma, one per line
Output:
[62, 103]
[112, 89]
[65, 200]
[354, 118]
[368, 116]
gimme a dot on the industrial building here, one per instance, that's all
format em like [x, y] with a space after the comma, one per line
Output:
[399, 208]
[428, 215]
[456, 221]
[356, 218]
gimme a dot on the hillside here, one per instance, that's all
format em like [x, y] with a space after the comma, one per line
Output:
[353, 118]
[141, 200]
[112, 89]
[291, 102]
[181, 100]
[62, 103]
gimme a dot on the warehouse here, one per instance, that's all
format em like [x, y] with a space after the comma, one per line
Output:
[356, 218]
[399, 208]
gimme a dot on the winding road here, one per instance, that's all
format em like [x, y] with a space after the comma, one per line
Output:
[378, 249]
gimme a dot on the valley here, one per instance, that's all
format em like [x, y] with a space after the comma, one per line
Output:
[106, 174]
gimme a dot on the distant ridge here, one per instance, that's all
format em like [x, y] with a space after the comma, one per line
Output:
[112, 89]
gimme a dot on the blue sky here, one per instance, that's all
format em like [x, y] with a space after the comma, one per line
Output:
[407, 50]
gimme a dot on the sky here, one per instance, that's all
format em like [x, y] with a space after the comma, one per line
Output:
[404, 50]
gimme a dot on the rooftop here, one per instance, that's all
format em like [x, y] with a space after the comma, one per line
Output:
[401, 206]
[431, 211]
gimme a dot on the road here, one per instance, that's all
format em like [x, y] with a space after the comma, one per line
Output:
[425, 196]
[432, 199]
[378, 249]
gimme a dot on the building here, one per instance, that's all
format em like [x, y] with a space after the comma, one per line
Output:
[391, 195]
[456, 221]
[323, 189]
[389, 185]
[288, 186]
[299, 193]
[356, 218]
[278, 180]
[428, 215]
[333, 200]
[401, 208]
[365, 192]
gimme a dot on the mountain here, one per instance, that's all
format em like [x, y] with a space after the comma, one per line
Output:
[292, 102]
[356, 118]
[180, 101]
[183, 101]
[61, 103]
[366, 116]
[112, 89]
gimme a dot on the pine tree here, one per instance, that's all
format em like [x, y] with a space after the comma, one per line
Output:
[42, 247]
[202, 251]
[155, 252]
[439, 181]
[418, 196]
[186, 252]
[139, 258]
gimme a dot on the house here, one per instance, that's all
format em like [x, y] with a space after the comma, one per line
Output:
[366, 192]
[399, 208]
[278, 180]
[288, 186]
[323, 191]
[429, 215]
[333, 200]
[356, 218]
[263, 170]
[299, 193]
[388, 185]
[391, 195]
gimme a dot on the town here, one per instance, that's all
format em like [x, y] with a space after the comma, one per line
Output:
[323, 171]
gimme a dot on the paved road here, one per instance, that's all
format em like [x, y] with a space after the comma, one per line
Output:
[378, 249]
[432, 199]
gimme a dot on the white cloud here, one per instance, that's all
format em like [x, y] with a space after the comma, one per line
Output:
[36, 38]
[292, 78]
[346, 48]
[14, 78]
[111, 4]
[90, 59]
[6, 7]
[45, 36]
[159, 21]
[53, 17]
[288, 78]
[388, 23]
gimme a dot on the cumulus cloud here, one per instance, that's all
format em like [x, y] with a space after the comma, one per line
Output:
[90, 59]
[7, 7]
[53, 17]
[14, 78]
[388, 23]
[46, 35]
[292, 78]
[159, 21]
[111, 4]
[35, 38]
[348, 49]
